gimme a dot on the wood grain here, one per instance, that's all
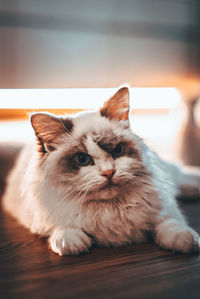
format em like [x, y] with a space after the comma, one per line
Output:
[28, 269]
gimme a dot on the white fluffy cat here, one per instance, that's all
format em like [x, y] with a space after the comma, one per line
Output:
[90, 179]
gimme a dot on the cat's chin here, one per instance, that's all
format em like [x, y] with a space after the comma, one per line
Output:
[109, 193]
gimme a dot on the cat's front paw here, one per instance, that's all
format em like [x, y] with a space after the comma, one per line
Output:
[173, 236]
[70, 241]
[184, 242]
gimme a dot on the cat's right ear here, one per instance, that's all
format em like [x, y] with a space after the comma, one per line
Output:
[49, 129]
[117, 107]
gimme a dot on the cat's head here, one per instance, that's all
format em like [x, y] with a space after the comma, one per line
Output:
[92, 155]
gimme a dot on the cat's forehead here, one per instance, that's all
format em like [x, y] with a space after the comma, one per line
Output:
[92, 132]
[93, 124]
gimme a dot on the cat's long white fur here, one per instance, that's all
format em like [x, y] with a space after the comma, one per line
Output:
[61, 207]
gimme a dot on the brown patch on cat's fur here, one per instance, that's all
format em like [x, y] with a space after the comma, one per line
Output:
[107, 147]
[109, 142]
[67, 162]
[68, 125]
[67, 165]
[41, 147]
[117, 107]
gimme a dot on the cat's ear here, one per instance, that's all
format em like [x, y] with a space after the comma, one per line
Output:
[117, 107]
[49, 129]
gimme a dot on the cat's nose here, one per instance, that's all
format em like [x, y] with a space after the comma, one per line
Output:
[108, 173]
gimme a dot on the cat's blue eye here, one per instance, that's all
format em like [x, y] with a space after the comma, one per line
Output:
[82, 159]
[118, 150]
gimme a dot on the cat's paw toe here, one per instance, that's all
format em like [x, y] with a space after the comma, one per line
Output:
[187, 242]
[69, 242]
[196, 244]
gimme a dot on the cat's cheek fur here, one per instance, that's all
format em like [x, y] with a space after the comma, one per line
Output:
[69, 241]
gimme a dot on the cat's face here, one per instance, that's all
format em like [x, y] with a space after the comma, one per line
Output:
[92, 155]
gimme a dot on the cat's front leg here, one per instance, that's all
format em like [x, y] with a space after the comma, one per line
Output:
[176, 236]
[69, 241]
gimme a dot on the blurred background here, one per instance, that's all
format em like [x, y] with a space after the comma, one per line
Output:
[71, 44]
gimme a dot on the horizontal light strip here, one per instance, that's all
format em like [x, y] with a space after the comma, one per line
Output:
[86, 98]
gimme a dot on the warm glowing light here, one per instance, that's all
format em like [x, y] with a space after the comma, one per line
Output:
[86, 98]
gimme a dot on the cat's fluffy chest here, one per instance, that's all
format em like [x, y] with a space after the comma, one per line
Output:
[109, 222]
[117, 224]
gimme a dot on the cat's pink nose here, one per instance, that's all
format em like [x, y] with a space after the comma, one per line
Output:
[108, 173]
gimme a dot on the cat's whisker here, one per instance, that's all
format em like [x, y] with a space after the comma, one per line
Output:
[75, 190]
[79, 190]
[87, 184]
[80, 198]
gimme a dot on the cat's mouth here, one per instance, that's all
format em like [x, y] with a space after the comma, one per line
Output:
[109, 185]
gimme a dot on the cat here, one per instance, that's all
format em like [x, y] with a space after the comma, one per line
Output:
[90, 179]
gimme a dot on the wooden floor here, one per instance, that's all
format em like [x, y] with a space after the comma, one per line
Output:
[28, 269]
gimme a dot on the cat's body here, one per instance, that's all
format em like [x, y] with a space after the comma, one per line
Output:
[93, 180]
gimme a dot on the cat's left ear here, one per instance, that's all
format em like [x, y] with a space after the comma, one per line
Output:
[117, 107]
[49, 130]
